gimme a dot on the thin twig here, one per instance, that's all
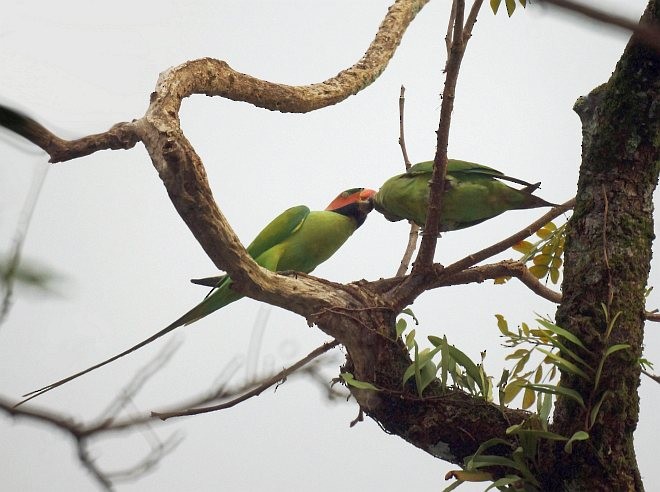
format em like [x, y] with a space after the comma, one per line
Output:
[648, 34]
[254, 392]
[414, 228]
[448, 36]
[654, 377]
[8, 276]
[402, 133]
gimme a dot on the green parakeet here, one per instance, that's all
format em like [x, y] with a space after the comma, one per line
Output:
[473, 193]
[298, 239]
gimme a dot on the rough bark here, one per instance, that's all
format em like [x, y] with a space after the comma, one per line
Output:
[607, 261]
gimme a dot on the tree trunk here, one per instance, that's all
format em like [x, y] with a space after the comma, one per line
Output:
[607, 261]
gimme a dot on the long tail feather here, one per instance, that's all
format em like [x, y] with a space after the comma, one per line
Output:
[210, 304]
[33, 394]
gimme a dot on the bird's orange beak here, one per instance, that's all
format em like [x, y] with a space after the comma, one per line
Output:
[354, 195]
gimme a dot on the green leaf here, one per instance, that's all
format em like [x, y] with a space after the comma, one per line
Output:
[351, 381]
[453, 486]
[418, 375]
[523, 247]
[615, 348]
[504, 481]
[517, 354]
[410, 340]
[525, 328]
[493, 460]
[510, 7]
[495, 5]
[542, 259]
[566, 365]
[528, 398]
[400, 326]
[546, 407]
[578, 436]
[410, 313]
[521, 363]
[536, 432]
[539, 271]
[444, 362]
[502, 325]
[610, 350]
[594, 411]
[554, 273]
[557, 330]
[470, 367]
[472, 476]
[538, 374]
[512, 389]
[557, 390]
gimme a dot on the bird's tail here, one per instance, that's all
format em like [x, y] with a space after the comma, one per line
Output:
[533, 201]
[211, 303]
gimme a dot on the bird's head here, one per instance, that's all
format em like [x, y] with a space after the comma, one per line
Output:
[356, 203]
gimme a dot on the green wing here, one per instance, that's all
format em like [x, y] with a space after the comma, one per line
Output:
[455, 166]
[280, 228]
[473, 193]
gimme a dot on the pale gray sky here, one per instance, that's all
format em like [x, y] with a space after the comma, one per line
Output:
[105, 223]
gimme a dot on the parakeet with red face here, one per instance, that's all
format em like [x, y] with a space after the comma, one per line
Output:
[298, 239]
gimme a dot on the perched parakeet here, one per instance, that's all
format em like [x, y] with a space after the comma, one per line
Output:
[298, 239]
[473, 193]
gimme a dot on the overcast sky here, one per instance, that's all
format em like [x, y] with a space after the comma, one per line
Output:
[105, 224]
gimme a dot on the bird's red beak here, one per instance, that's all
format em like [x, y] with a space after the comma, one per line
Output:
[355, 195]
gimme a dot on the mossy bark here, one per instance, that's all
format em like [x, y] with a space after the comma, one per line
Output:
[607, 261]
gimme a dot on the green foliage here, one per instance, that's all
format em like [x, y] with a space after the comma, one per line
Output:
[554, 349]
[445, 359]
[546, 254]
[351, 381]
[510, 5]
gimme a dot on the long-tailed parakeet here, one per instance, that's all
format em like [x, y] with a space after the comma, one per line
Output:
[298, 239]
[473, 193]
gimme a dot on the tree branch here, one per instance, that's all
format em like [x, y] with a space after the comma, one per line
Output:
[648, 34]
[426, 251]
[273, 380]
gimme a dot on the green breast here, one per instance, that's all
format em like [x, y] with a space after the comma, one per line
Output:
[320, 236]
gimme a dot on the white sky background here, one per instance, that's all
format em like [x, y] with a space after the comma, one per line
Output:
[106, 225]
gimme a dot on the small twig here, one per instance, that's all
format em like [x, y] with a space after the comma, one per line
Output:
[414, 228]
[648, 34]
[149, 462]
[359, 418]
[652, 376]
[471, 20]
[8, 276]
[254, 392]
[126, 394]
[448, 36]
[402, 133]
